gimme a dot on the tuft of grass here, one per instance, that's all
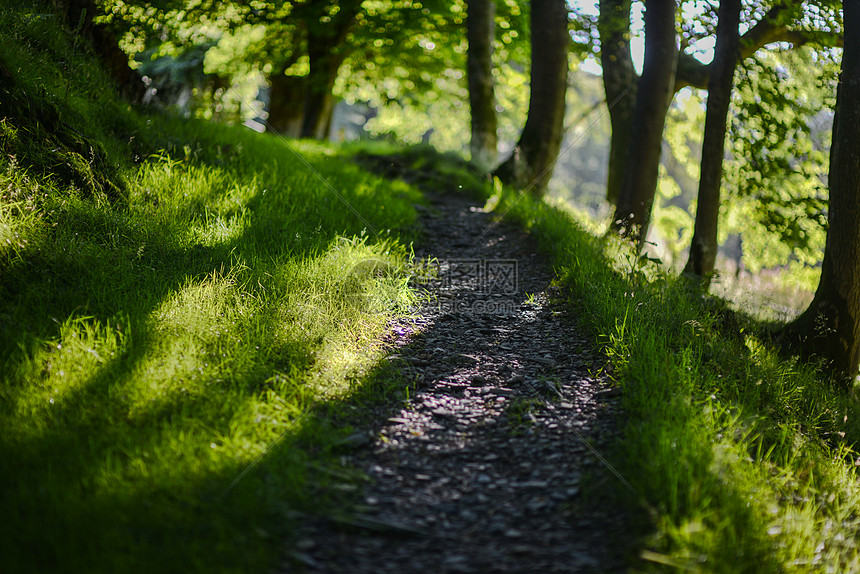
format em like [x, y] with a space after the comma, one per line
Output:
[743, 459]
[520, 413]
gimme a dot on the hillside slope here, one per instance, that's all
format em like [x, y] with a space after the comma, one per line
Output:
[177, 300]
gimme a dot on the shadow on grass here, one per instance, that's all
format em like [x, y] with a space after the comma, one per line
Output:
[82, 490]
[69, 516]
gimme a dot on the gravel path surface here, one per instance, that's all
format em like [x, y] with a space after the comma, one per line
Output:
[494, 464]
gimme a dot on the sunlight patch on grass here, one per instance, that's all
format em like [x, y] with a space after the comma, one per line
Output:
[155, 347]
[174, 296]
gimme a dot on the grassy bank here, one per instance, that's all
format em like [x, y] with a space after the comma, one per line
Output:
[187, 310]
[743, 459]
[174, 297]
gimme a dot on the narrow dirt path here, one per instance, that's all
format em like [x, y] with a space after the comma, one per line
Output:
[486, 469]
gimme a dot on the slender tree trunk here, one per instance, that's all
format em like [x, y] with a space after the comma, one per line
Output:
[655, 91]
[480, 24]
[703, 249]
[531, 163]
[326, 52]
[619, 83]
[328, 121]
[287, 104]
[319, 105]
[830, 327]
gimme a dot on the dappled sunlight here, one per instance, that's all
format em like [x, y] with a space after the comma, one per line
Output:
[154, 347]
[20, 233]
[342, 300]
[745, 450]
[192, 313]
[60, 369]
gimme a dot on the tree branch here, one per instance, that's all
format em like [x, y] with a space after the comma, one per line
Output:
[691, 72]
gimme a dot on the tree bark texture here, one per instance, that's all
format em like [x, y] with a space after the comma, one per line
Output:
[619, 83]
[655, 91]
[480, 25]
[530, 165]
[703, 249]
[830, 327]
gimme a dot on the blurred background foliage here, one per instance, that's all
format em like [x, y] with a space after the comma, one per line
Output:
[396, 70]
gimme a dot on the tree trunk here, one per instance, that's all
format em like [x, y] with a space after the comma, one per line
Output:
[326, 52]
[830, 327]
[655, 91]
[319, 104]
[287, 104]
[773, 27]
[480, 23]
[619, 83]
[530, 165]
[703, 249]
[79, 16]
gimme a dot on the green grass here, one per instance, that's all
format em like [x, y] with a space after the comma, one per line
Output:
[175, 296]
[171, 305]
[743, 459]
